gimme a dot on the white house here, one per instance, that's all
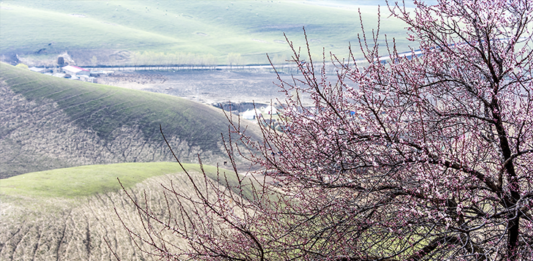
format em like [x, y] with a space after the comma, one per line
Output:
[270, 110]
[249, 115]
[75, 70]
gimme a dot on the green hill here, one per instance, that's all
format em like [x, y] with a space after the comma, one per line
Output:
[50, 123]
[89, 180]
[67, 214]
[75, 183]
[217, 28]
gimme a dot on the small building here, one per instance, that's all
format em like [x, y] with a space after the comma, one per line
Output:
[85, 78]
[75, 70]
[249, 115]
[270, 110]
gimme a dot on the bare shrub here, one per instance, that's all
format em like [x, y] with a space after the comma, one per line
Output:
[77, 229]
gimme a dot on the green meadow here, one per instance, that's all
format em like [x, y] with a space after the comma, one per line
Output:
[249, 28]
[89, 180]
[70, 213]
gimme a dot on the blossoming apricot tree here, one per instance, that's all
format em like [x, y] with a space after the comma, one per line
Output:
[425, 156]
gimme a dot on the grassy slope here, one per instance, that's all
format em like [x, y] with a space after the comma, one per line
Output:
[66, 214]
[89, 180]
[214, 27]
[104, 108]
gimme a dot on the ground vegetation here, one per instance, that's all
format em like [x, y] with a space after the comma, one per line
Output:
[77, 217]
[48, 123]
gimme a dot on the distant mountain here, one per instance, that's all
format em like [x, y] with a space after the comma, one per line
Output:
[48, 123]
[119, 31]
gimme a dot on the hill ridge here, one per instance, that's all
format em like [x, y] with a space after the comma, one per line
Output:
[48, 123]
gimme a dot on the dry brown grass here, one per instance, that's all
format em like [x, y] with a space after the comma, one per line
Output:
[60, 229]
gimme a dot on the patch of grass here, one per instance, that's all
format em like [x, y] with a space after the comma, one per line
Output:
[50, 228]
[92, 179]
[251, 28]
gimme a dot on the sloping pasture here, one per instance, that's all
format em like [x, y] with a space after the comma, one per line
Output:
[65, 215]
[48, 123]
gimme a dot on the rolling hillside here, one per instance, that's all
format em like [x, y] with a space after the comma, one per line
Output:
[67, 214]
[249, 28]
[48, 123]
